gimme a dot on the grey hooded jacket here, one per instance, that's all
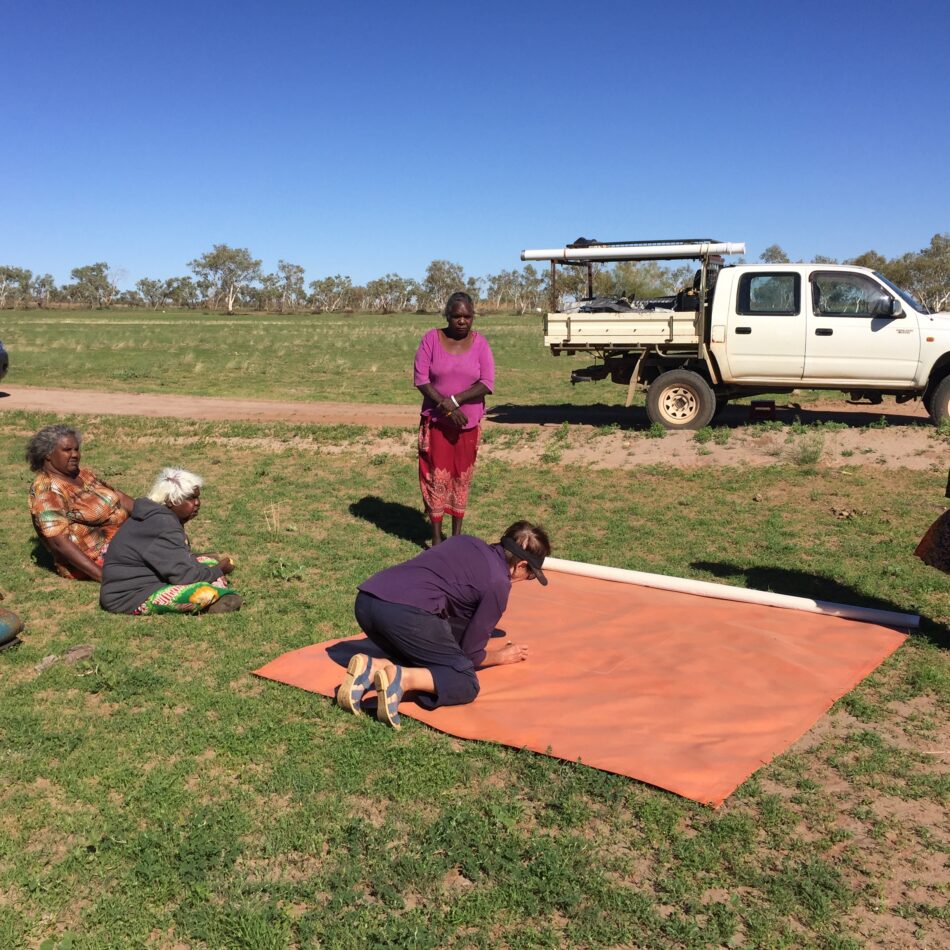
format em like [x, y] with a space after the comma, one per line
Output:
[149, 551]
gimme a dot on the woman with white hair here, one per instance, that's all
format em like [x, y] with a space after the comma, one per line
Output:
[149, 567]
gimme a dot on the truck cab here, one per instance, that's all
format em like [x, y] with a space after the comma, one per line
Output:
[821, 325]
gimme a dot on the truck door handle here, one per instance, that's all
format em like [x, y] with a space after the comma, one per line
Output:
[743, 330]
[824, 331]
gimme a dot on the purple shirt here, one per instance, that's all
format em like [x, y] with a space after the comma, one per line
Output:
[462, 577]
[452, 373]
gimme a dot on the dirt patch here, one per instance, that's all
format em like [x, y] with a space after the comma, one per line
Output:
[36, 399]
[603, 437]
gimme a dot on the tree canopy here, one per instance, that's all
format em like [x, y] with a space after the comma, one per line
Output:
[227, 271]
[93, 285]
[774, 254]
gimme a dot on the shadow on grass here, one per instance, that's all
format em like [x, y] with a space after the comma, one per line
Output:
[732, 416]
[596, 415]
[42, 558]
[394, 518]
[854, 416]
[780, 580]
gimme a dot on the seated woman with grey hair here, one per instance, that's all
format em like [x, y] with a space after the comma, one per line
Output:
[149, 567]
[74, 513]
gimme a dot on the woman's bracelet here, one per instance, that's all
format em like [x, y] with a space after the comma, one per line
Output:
[455, 402]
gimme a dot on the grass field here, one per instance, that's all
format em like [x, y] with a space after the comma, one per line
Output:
[321, 357]
[156, 794]
[358, 358]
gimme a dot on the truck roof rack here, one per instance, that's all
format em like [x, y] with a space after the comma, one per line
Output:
[585, 242]
[583, 250]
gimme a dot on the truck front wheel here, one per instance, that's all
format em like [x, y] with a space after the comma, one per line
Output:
[680, 399]
[939, 405]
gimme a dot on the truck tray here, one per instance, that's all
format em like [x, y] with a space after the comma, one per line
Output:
[636, 328]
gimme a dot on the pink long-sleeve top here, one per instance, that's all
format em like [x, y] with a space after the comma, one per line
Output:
[452, 373]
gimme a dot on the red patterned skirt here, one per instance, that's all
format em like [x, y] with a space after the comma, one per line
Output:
[934, 547]
[446, 464]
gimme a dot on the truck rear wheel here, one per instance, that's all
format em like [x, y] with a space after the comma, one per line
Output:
[939, 405]
[680, 399]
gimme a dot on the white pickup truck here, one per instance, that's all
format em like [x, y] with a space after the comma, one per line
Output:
[749, 329]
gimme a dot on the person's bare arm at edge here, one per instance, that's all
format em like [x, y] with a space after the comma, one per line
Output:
[68, 552]
[504, 653]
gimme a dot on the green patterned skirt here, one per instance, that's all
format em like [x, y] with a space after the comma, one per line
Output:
[185, 598]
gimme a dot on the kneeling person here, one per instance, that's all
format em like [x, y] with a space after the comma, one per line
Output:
[433, 617]
[149, 567]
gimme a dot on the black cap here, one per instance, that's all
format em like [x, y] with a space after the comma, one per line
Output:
[533, 561]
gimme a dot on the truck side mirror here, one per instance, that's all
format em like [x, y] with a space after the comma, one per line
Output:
[888, 307]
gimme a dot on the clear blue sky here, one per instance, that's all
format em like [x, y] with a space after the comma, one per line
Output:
[367, 137]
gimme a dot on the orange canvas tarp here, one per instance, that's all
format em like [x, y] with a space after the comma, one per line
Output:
[691, 694]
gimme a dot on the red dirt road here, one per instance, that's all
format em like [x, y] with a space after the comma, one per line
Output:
[901, 443]
[222, 408]
[35, 399]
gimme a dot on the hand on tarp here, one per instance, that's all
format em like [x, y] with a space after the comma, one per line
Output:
[505, 653]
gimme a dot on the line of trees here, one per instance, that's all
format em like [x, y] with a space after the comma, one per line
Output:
[226, 278]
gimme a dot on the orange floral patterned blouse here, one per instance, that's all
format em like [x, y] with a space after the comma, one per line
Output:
[88, 513]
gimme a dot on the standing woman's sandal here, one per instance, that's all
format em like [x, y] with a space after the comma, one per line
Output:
[388, 697]
[355, 683]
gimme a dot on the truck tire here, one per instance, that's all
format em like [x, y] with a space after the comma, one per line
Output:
[680, 399]
[939, 404]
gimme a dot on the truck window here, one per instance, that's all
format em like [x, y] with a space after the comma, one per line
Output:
[845, 295]
[764, 294]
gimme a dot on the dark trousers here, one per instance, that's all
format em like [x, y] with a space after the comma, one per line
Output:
[414, 637]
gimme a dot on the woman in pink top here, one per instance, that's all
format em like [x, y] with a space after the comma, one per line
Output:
[454, 369]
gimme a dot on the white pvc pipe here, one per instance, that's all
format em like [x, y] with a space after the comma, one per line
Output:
[684, 585]
[632, 252]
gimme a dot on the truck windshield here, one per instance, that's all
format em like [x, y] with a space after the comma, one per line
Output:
[903, 294]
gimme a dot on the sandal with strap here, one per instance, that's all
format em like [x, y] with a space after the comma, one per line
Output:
[357, 680]
[388, 697]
